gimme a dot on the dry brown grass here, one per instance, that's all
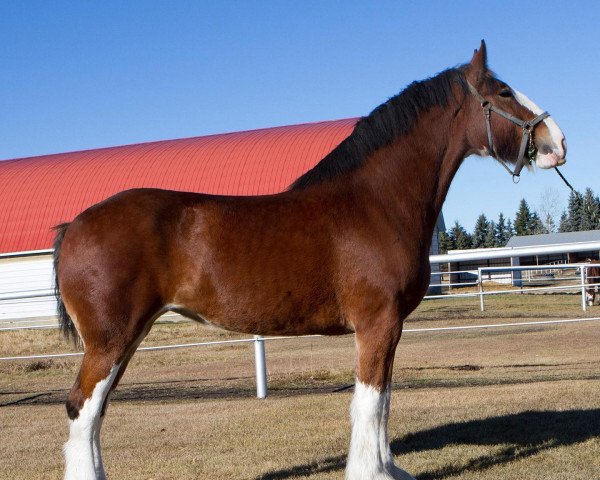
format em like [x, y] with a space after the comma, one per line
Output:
[515, 403]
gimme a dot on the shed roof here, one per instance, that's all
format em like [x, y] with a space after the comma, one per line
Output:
[40, 192]
[554, 238]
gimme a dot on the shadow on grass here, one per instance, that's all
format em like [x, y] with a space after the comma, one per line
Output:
[527, 433]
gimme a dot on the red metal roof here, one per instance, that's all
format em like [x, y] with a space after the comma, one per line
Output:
[37, 193]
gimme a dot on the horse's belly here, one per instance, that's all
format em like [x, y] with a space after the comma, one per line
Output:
[279, 314]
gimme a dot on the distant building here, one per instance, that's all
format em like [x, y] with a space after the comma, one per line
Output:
[567, 255]
[567, 239]
[462, 265]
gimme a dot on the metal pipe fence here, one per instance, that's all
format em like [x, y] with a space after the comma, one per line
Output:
[580, 278]
[259, 344]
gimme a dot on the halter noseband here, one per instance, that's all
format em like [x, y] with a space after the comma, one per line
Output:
[526, 125]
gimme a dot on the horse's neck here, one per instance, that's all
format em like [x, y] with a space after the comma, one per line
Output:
[411, 177]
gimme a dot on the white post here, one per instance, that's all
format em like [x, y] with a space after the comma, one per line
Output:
[261, 366]
[583, 299]
[480, 282]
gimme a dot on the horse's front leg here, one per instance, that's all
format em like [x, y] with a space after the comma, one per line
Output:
[370, 456]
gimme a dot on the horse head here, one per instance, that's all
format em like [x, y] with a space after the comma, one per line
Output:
[512, 128]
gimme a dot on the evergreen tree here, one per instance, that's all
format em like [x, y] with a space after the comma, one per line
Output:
[446, 243]
[536, 227]
[510, 230]
[480, 231]
[563, 226]
[490, 236]
[502, 232]
[523, 219]
[590, 211]
[459, 237]
[574, 212]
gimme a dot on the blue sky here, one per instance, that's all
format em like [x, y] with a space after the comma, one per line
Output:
[79, 75]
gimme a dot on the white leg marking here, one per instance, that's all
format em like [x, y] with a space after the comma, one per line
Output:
[370, 456]
[79, 449]
[98, 465]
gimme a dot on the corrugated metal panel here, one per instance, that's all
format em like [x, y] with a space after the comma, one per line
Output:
[23, 276]
[40, 192]
[554, 238]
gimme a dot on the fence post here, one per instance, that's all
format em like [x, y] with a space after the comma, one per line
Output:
[480, 283]
[261, 366]
[583, 299]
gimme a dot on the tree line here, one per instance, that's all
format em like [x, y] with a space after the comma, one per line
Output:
[582, 213]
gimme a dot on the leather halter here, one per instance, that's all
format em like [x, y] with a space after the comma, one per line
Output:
[526, 125]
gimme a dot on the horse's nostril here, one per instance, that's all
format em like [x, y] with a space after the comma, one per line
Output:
[564, 146]
[546, 150]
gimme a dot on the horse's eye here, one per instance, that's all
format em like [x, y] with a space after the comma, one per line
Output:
[506, 93]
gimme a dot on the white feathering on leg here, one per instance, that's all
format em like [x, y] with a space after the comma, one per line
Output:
[370, 456]
[79, 449]
[364, 460]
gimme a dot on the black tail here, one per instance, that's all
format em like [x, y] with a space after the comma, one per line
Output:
[67, 327]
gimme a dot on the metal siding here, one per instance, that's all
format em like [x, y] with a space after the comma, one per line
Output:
[26, 275]
[554, 238]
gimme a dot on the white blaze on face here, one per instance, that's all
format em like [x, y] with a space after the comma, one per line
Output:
[557, 156]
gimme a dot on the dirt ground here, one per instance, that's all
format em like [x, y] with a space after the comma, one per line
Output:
[510, 403]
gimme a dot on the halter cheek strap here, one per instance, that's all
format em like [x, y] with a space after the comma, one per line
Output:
[526, 125]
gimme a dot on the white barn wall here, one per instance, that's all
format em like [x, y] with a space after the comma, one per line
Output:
[24, 275]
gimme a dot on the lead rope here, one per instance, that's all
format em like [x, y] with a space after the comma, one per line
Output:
[565, 180]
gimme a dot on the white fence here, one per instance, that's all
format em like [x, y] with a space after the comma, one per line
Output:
[579, 285]
[259, 345]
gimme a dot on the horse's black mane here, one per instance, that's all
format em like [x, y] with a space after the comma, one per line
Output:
[395, 117]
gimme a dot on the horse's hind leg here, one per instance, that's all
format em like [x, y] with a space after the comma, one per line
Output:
[370, 455]
[84, 406]
[100, 372]
[96, 450]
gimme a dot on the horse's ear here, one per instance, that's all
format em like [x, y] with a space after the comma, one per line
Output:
[478, 64]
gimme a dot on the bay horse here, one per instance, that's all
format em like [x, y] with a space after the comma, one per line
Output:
[592, 275]
[344, 250]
